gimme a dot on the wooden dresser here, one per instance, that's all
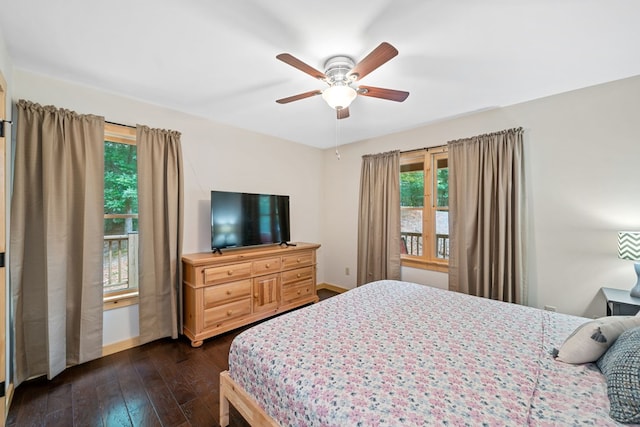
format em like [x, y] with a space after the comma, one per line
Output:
[240, 286]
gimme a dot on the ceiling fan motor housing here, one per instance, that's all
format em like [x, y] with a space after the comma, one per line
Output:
[337, 68]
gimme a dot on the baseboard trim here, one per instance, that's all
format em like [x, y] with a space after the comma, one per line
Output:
[120, 346]
[331, 287]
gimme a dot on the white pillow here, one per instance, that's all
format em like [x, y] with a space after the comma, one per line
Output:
[592, 339]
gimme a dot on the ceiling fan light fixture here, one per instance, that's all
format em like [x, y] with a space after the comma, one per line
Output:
[339, 96]
[340, 73]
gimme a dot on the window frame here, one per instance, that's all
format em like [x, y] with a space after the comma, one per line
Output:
[119, 134]
[428, 260]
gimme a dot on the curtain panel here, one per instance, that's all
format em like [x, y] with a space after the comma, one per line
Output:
[379, 218]
[56, 239]
[487, 216]
[160, 221]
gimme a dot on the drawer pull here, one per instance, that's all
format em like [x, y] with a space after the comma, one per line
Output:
[230, 272]
[266, 265]
[228, 292]
[229, 313]
[298, 260]
[255, 296]
[299, 292]
[299, 275]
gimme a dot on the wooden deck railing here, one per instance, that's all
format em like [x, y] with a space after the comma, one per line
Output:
[120, 262]
[413, 244]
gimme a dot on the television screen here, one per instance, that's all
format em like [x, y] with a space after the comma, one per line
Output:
[246, 219]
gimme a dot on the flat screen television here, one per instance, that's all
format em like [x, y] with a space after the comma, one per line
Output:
[246, 219]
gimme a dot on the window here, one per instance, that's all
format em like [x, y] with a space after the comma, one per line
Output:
[120, 247]
[424, 208]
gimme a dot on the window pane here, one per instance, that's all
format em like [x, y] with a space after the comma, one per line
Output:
[411, 207]
[115, 262]
[120, 178]
[442, 215]
[442, 235]
[442, 183]
[118, 226]
[120, 245]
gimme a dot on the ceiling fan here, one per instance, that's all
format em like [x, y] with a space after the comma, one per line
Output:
[340, 73]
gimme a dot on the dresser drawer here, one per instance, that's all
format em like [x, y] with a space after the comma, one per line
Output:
[214, 317]
[297, 260]
[265, 266]
[302, 290]
[221, 294]
[293, 276]
[226, 273]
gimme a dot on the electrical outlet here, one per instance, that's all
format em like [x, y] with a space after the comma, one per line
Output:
[549, 308]
[346, 271]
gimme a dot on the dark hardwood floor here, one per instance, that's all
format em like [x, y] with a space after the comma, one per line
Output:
[163, 383]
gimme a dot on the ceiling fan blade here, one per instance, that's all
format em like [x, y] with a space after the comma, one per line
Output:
[342, 113]
[299, 96]
[376, 58]
[296, 63]
[378, 92]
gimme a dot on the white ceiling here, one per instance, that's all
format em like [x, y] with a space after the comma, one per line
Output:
[216, 59]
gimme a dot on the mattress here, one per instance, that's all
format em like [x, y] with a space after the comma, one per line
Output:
[394, 353]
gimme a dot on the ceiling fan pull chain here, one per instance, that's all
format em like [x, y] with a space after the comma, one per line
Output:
[337, 137]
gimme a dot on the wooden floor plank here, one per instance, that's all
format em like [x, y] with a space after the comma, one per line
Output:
[144, 415]
[60, 418]
[114, 408]
[86, 408]
[198, 414]
[59, 397]
[133, 390]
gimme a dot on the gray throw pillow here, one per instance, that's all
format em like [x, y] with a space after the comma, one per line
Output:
[621, 367]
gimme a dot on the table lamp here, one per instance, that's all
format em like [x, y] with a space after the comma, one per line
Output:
[629, 248]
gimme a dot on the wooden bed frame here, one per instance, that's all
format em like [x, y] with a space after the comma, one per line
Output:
[230, 392]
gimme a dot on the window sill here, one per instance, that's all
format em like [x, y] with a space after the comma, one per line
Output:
[113, 301]
[441, 266]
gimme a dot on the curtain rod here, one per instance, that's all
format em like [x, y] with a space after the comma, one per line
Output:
[423, 148]
[120, 124]
[106, 121]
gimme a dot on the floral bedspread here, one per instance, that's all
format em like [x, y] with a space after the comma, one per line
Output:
[401, 354]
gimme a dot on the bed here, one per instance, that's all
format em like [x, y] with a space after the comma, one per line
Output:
[395, 353]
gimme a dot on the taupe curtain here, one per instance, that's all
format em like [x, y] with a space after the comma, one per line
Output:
[486, 216]
[56, 239]
[160, 218]
[379, 218]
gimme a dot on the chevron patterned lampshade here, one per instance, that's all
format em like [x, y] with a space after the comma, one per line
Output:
[629, 248]
[629, 245]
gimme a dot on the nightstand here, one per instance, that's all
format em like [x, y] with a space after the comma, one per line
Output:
[620, 302]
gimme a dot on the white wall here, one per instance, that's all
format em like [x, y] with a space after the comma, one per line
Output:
[215, 157]
[120, 324]
[582, 150]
